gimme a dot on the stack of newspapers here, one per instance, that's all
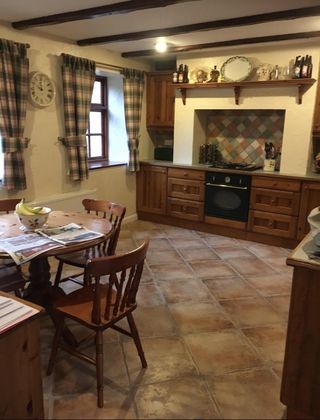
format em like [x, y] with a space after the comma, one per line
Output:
[23, 248]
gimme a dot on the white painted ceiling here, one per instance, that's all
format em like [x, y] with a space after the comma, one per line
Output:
[175, 15]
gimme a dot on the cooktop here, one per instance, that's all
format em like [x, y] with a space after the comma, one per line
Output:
[234, 165]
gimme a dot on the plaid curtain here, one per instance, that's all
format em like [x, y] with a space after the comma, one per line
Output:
[133, 85]
[14, 70]
[78, 75]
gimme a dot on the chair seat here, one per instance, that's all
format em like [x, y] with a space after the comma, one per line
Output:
[80, 258]
[78, 305]
[11, 279]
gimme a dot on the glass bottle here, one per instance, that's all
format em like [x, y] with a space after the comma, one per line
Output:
[214, 74]
[175, 76]
[180, 73]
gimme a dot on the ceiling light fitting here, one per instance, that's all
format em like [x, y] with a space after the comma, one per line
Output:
[161, 45]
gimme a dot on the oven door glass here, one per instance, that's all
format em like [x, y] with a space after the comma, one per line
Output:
[227, 203]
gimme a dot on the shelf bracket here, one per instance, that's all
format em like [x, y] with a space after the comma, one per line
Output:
[236, 90]
[183, 92]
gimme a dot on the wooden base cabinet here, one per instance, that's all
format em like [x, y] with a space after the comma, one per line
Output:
[21, 395]
[152, 189]
[274, 206]
[186, 194]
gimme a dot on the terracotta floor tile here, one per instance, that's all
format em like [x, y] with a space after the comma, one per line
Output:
[185, 290]
[159, 244]
[279, 263]
[229, 288]
[250, 266]
[167, 359]
[281, 304]
[269, 341]
[252, 394]
[226, 252]
[250, 312]
[149, 294]
[271, 284]
[73, 376]
[219, 241]
[118, 404]
[163, 257]
[175, 232]
[198, 254]
[199, 317]
[142, 235]
[186, 398]
[182, 243]
[277, 368]
[154, 321]
[212, 269]
[171, 272]
[263, 251]
[221, 352]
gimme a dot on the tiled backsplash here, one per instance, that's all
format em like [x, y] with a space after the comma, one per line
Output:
[241, 134]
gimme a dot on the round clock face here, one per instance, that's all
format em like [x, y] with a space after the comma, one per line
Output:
[42, 89]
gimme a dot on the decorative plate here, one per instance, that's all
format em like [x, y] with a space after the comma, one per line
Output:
[236, 69]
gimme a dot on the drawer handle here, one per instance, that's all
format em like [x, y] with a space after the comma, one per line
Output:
[273, 201]
[184, 209]
[185, 189]
[185, 174]
[270, 224]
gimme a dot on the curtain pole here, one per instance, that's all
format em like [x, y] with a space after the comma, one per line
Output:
[108, 66]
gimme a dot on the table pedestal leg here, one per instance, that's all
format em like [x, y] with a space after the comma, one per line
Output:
[41, 292]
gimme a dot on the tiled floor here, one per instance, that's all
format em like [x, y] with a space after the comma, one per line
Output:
[212, 314]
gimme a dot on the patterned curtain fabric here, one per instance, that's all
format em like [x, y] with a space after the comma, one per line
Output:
[78, 75]
[133, 85]
[14, 70]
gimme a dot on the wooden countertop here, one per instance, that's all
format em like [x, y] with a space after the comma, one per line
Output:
[309, 176]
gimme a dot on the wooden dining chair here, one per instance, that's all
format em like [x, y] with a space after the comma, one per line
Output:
[11, 278]
[99, 306]
[108, 210]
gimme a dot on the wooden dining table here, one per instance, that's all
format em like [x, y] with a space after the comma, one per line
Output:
[40, 290]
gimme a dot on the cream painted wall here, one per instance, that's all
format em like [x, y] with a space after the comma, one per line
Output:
[45, 160]
[298, 120]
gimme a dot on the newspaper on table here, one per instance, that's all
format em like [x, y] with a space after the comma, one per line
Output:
[69, 234]
[24, 247]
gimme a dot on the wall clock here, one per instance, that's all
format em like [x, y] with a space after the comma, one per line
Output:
[42, 89]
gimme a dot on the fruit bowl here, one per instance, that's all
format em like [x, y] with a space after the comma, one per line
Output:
[34, 221]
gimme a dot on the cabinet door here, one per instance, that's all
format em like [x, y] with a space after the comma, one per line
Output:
[160, 100]
[152, 189]
[283, 202]
[310, 198]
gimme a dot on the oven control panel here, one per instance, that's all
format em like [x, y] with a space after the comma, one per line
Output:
[236, 180]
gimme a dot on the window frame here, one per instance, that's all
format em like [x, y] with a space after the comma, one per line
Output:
[103, 110]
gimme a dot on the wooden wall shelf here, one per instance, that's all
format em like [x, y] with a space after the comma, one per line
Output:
[302, 85]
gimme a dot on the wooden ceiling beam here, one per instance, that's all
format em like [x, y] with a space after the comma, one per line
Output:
[229, 43]
[205, 26]
[94, 12]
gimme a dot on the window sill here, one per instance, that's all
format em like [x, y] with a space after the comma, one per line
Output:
[98, 165]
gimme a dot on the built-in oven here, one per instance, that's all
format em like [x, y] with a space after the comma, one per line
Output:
[227, 195]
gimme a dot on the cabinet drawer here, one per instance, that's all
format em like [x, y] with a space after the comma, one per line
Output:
[283, 202]
[183, 209]
[276, 183]
[185, 174]
[185, 188]
[272, 224]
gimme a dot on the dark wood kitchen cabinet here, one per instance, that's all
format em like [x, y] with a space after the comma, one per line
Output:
[21, 395]
[152, 189]
[160, 100]
[274, 206]
[186, 194]
[310, 198]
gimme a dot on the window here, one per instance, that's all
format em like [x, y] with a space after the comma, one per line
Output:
[97, 133]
